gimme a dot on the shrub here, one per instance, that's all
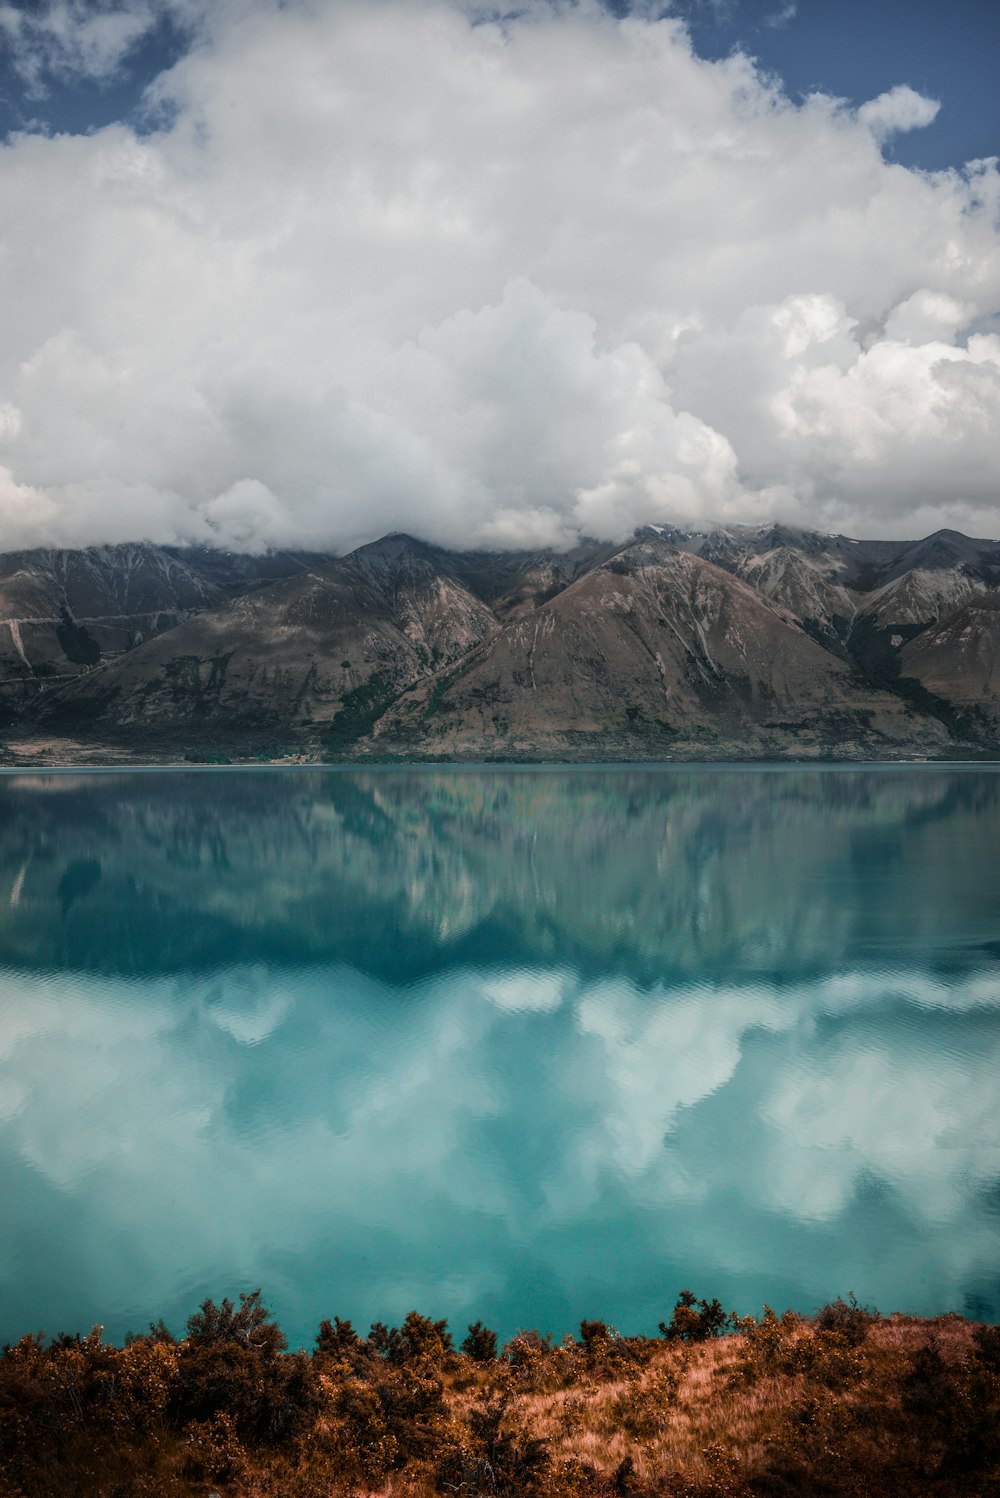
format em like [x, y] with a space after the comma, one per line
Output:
[389, 1418]
[987, 1344]
[958, 1405]
[39, 1408]
[695, 1320]
[248, 1326]
[847, 1319]
[231, 1362]
[481, 1343]
[525, 1347]
[270, 1399]
[497, 1458]
[359, 1441]
[642, 1409]
[60, 1405]
[338, 1342]
[607, 1354]
[134, 1384]
[594, 1335]
[771, 1345]
[929, 1386]
[535, 1365]
[418, 1340]
[214, 1450]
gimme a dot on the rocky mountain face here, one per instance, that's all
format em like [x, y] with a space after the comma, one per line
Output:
[655, 649]
[730, 643]
[322, 652]
[63, 613]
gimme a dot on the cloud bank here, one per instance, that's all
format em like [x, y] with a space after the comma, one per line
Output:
[383, 265]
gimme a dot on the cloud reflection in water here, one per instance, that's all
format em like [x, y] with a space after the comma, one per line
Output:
[523, 1143]
[524, 1045]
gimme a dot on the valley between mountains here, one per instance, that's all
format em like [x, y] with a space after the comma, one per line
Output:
[733, 643]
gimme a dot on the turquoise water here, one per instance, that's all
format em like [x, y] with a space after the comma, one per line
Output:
[524, 1045]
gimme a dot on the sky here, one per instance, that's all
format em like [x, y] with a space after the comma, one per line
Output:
[300, 272]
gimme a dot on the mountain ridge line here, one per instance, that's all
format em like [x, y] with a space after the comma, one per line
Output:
[739, 642]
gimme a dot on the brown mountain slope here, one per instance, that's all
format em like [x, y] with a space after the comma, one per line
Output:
[343, 636]
[958, 661]
[847, 591]
[654, 651]
[865, 601]
[516, 583]
[730, 643]
[64, 612]
[812, 575]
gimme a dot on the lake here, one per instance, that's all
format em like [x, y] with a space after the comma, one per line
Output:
[524, 1045]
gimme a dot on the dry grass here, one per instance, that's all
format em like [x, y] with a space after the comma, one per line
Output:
[781, 1408]
[694, 1420]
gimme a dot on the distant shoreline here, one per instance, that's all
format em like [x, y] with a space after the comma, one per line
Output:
[15, 765]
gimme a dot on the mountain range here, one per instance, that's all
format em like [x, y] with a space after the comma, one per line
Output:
[730, 643]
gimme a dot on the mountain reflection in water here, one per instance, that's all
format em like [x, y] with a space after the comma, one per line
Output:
[525, 1045]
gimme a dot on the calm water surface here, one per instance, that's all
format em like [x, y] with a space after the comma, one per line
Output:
[520, 1045]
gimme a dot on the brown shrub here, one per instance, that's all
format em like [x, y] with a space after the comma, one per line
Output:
[847, 1318]
[495, 1455]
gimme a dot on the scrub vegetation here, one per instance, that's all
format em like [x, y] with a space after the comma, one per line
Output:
[717, 1406]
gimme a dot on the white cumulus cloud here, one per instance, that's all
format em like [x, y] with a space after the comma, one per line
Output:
[899, 109]
[564, 276]
[74, 38]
